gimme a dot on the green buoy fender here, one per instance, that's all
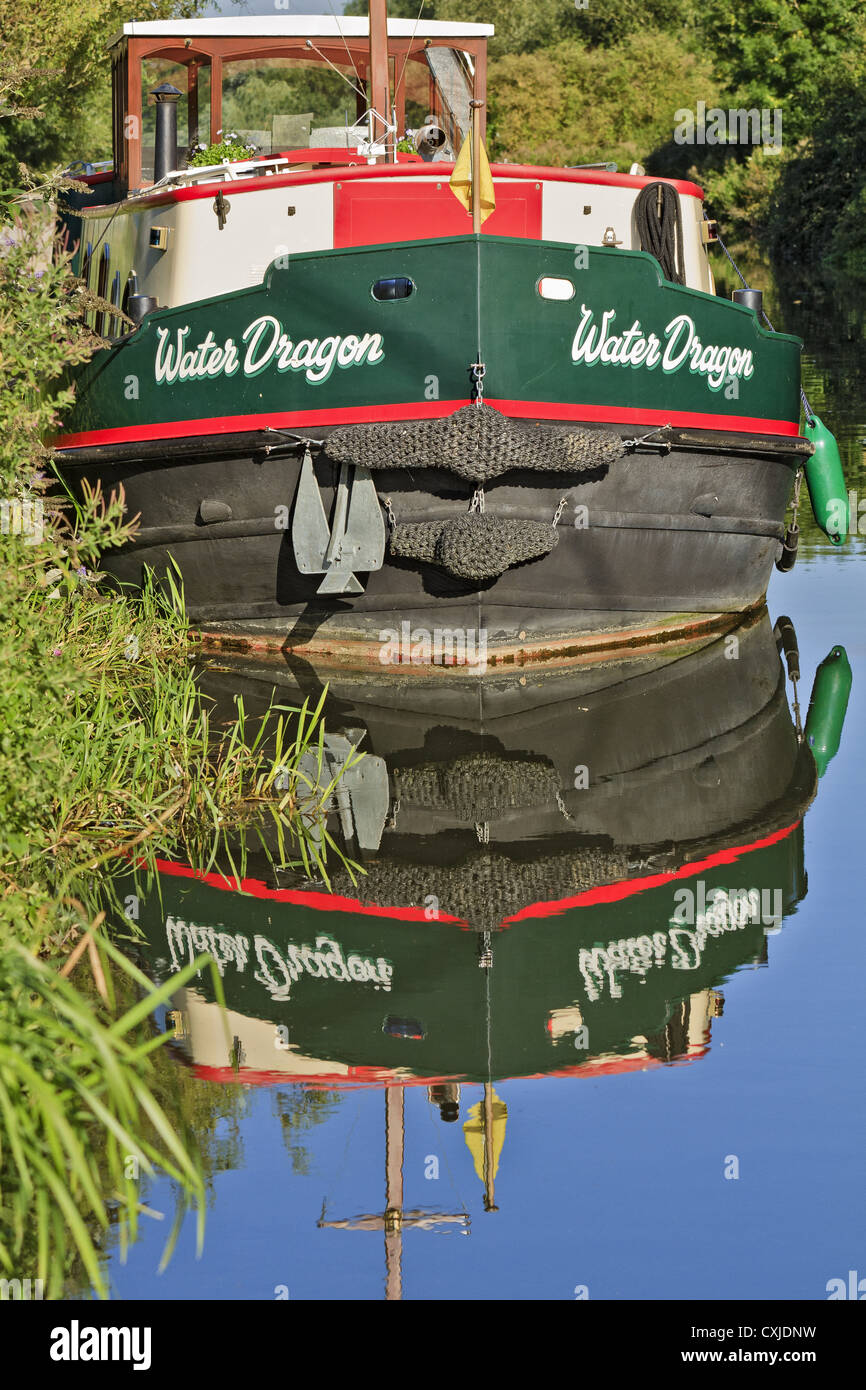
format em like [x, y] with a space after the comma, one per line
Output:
[826, 482]
[827, 707]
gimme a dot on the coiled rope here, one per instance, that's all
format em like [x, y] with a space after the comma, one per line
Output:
[659, 222]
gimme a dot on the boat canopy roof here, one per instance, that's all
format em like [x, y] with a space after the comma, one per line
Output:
[297, 26]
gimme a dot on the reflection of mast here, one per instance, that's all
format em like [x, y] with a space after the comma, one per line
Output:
[393, 1219]
[489, 1165]
[487, 1119]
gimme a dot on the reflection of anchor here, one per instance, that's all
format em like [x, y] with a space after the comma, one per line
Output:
[356, 539]
[361, 791]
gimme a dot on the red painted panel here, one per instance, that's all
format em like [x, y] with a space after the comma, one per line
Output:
[365, 214]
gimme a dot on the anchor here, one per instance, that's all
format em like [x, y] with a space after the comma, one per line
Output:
[361, 790]
[354, 542]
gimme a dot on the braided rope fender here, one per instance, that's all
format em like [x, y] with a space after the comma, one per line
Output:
[472, 546]
[486, 887]
[479, 786]
[477, 443]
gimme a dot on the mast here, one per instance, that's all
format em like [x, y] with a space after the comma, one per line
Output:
[395, 1099]
[380, 89]
[394, 1219]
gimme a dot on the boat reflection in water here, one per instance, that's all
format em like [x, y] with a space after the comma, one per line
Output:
[559, 878]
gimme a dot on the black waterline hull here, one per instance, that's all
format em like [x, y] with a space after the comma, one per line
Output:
[689, 526]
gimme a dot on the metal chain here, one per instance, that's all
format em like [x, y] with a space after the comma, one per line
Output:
[477, 503]
[649, 439]
[563, 502]
[389, 510]
[478, 372]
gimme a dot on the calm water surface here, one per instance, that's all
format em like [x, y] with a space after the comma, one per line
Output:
[614, 1094]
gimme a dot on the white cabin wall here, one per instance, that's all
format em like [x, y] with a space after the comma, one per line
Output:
[258, 229]
[200, 260]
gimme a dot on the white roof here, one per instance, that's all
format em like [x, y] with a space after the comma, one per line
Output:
[300, 26]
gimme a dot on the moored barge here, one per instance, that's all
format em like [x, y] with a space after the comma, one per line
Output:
[349, 400]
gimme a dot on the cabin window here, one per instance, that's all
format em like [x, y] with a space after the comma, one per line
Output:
[86, 268]
[397, 287]
[114, 326]
[101, 318]
[130, 288]
[86, 262]
[193, 107]
[278, 104]
[555, 287]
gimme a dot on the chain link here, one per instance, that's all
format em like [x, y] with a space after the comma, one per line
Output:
[478, 372]
[392, 520]
[477, 503]
[563, 502]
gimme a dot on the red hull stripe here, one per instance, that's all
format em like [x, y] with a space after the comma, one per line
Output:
[333, 902]
[333, 1081]
[615, 892]
[415, 410]
[381, 1076]
[323, 902]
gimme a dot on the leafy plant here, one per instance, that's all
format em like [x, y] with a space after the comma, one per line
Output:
[226, 151]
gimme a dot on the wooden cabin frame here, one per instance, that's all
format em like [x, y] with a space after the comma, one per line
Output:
[129, 50]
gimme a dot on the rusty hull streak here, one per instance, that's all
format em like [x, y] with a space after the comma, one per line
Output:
[565, 652]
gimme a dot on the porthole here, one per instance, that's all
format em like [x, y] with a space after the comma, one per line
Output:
[396, 287]
[555, 287]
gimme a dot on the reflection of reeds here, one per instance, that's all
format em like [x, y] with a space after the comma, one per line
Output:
[148, 768]
[144, 771]
[80, 1122]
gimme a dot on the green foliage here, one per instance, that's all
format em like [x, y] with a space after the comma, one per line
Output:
[815, 214]
[781, 53]
[300, 1110]
[522, 26]
[54, 60]
[741, 193]
[590, 104]
[79, 1122]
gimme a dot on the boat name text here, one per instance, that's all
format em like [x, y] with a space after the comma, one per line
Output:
[264, 343]
[594, 342]
[279, 966]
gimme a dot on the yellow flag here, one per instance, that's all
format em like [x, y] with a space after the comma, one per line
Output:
[475, 1134]
[461, 179]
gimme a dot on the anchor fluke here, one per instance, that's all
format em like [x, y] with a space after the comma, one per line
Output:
[353, 543]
